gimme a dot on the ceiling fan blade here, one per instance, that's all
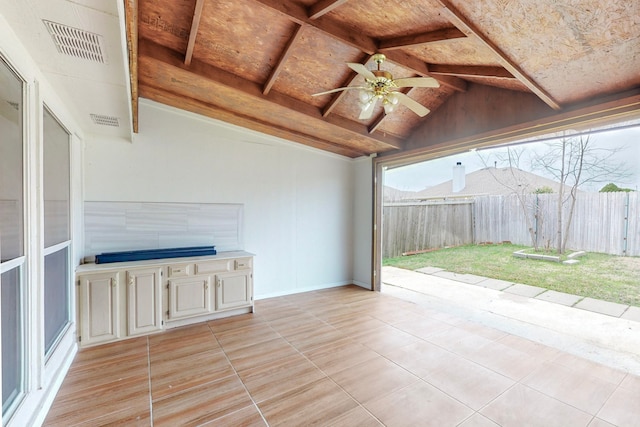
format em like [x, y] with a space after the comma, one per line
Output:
[414, 106]
[338, 90]
[362, 70]
[367, 111]
[417, 82]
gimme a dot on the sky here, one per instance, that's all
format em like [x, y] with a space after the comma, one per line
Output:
[419, 176]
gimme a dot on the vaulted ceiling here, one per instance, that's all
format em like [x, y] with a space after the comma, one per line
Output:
[506, 68]
[257, 63]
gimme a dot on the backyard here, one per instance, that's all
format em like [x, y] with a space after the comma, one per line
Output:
[600, 276]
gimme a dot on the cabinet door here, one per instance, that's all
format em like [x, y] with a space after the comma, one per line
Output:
[233, 289]
[144, 300]
[189, 296]
[99, 308]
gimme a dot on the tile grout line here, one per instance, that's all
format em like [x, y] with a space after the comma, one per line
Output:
[235, 372]
[149, 381]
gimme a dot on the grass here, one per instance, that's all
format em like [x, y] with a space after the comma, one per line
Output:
[605, 277]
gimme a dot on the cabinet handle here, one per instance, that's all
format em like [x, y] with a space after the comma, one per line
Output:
[132, 280]
[113, 282]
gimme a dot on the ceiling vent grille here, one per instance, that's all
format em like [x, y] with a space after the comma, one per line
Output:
[76, 42]
[103, 120]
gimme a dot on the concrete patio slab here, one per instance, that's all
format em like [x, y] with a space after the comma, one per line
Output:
[614, 341]
[604, 307]
[525, 290]
[497, 284]
[559, 298]
[632, 313]
[429, 270]
[464, 278]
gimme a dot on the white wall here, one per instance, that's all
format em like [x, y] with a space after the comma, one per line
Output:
[298, 202]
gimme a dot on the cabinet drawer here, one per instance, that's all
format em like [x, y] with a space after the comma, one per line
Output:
[242, 264]
[207, 267]
[179, 270]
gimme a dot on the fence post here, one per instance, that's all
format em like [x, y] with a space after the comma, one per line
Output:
[626, 226]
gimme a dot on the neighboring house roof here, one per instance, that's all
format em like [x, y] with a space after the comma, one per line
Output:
[491, 181]
[391, 194]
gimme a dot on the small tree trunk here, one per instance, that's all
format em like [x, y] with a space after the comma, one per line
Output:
[560, 196]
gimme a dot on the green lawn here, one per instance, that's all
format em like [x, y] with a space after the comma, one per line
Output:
[600, 276]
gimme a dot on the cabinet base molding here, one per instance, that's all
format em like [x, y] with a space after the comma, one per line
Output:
[214, 316]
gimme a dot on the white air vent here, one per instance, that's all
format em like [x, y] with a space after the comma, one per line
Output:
[76, 42]
[103, 120]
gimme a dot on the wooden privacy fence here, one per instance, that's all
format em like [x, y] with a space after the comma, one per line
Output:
[602, 222]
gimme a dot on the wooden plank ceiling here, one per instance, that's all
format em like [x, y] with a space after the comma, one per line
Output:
[256, 63]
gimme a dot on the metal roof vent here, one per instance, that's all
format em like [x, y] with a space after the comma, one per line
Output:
[103, 120]
[76, 42]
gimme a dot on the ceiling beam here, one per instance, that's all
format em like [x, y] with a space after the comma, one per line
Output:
[283, 58]
[469, 71]
[200, 71]
[298, 14]
[131, 18]
[324, 6]
[422, 69]
[414, 40]
[466, 26]
[195, 23]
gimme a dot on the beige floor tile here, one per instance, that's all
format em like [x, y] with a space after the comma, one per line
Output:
[340, 355]
[468, 382]
[576, 388]
[356, 324]
[523, 406]
[423, 327]
[357, 417]
[280, 376]
[260, 353]
[542, 352]
[597, 422]
[420, 358]
[458, 340]
[235, 322]
[201, 404]
[477, 420]
[385, 339]
[592, 368]
[175, 375]
[373, 378]
[418, 404]
[313, 337]
[622, 409]
[505, 360]
[243, 337]
[315, 403]
[245, 417]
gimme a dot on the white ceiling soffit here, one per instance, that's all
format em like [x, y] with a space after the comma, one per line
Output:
[83, 59]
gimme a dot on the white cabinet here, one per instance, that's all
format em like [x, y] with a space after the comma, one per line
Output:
[234, 288]
[189, 296]
[100, 308]
[127, 299]
[144, 301]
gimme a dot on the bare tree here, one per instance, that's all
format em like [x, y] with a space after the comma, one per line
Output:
[576, 162]
[520, 187]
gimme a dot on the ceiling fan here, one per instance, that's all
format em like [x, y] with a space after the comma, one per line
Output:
[380, 85]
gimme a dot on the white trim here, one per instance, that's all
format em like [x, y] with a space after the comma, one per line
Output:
[55, 248]
[305, 289]
[11, 264]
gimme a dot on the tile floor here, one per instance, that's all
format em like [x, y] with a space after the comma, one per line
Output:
[341, 357]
